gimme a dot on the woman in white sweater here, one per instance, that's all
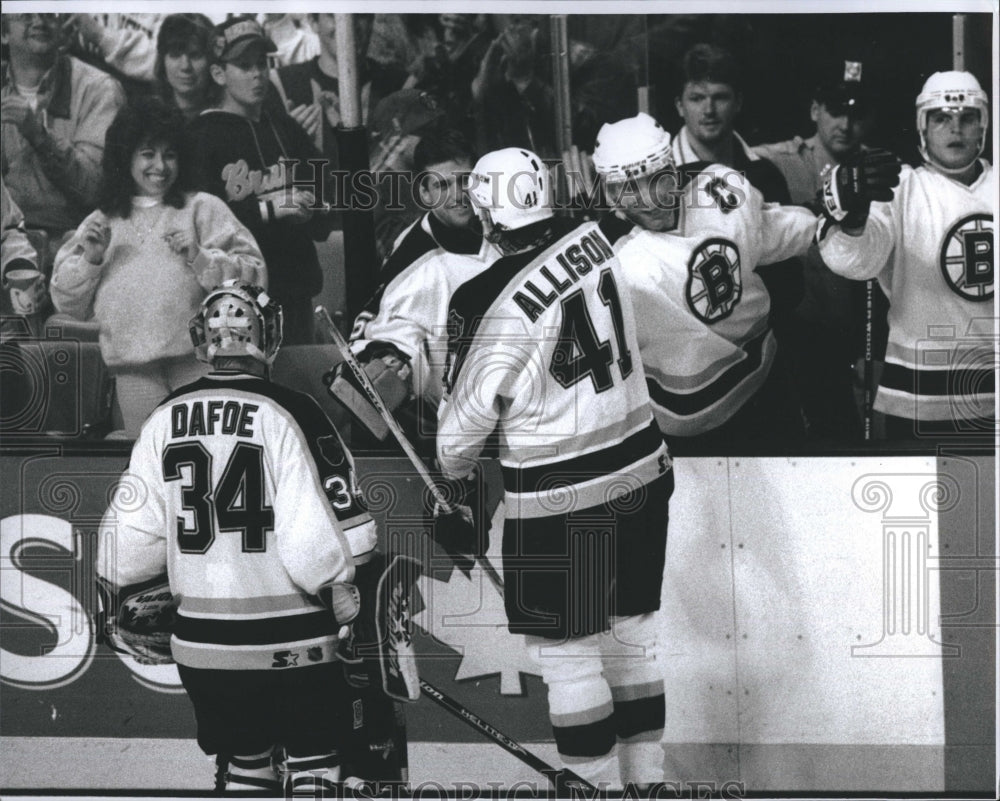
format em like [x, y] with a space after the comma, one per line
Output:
[142, 262]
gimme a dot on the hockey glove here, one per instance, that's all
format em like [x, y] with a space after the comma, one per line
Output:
[388, 369]
[850, 187]
[356, 606]
[138, 620]
[459, 530]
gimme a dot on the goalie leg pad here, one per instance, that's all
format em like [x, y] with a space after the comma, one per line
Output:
[397, 658]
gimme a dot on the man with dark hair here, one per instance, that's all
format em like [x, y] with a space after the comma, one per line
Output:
[55, 111]
[709, 101]
[401, 334]
[243, 154]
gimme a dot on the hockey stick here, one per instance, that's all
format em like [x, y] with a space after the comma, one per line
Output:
[508, 744]
[376, 400]
[869, 372]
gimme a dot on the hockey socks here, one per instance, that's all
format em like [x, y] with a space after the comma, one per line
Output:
[580, 706]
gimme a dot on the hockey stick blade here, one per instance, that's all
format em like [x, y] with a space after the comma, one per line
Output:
[323, 316]
[566, 778]
[376, 400]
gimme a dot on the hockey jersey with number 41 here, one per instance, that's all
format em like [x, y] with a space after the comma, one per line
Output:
[241, 490]
[931, 248]
[542, 347]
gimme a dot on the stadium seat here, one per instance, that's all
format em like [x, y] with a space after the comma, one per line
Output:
[65, 327]
[54, 387]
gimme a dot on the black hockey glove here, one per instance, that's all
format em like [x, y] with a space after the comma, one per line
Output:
[850, 187]
[462, 531]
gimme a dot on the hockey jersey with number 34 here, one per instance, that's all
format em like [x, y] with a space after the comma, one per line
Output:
[931, 248]
[241, 490]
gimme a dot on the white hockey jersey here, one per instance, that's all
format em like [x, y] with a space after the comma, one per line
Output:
[543, 347]
[931, 248]
[242, 491]
[701, 308]
[410, 310]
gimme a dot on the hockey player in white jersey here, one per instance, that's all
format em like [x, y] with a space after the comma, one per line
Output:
[931, 247]
[688, 254]
[401, 334]
[240, 503]
[542, 349]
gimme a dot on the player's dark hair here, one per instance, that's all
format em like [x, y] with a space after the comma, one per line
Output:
[145, 120]
[710, 63]
[440, 145]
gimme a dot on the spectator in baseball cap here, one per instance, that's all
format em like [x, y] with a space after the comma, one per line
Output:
[233, 38]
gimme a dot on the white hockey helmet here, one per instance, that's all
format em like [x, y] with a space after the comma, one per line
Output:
[236, 320]
[632, 148]
[952, 91]
[509, 189]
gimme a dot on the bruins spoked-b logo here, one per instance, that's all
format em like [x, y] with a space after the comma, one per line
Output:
[714, 286]
[967, 257]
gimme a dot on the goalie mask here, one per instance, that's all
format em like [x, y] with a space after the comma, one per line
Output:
[951, 91]
[237, 320]
[509, 190]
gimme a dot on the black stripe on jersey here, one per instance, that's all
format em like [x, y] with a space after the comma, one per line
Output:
[962, 382]
[287, 628]
[585, 467]
[471, 300]
[317, 430]
[687, 403]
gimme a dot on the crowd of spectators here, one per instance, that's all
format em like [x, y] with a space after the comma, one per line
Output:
[216, 104]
